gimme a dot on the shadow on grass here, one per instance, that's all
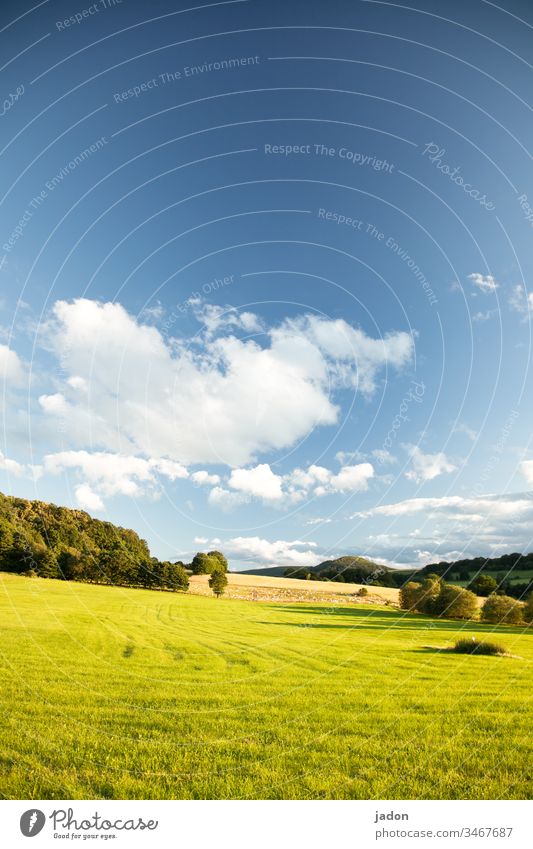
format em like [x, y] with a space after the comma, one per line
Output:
[363, 617]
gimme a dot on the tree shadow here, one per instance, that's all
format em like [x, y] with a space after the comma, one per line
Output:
[363, 617]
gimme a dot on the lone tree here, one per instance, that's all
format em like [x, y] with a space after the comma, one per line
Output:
[218, 582]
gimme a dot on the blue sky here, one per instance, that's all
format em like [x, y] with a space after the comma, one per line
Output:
[266, 274]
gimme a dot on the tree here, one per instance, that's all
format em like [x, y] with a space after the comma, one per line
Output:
[221, 559]
[203, 564]
[502, 609]
[218, 582]
[455, 603]
[409, 595]
[483, 585]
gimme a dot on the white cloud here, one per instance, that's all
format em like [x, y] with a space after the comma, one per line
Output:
[203, 478]
[349, 479]
[260, 482]
[521, 301]
[87, 499]
[114, 474]
[226, 500]
[11, 370]
[468, 431]
[55, 405]
[260, 552]
[200, 540]
[484, 282]
[526, 468]
[12, 467]
[222, 400]
[426, 467]
[383, 456]
[454, 506]
[216, 318]
[79, 383]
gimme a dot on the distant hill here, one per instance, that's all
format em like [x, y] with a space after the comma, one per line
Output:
[513, 573]
[351, 568]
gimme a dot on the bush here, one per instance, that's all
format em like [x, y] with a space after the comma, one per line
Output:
[409, 595]
[429, 592]
[502, 609]
[474, 646]
[455, 603]
[362, 592]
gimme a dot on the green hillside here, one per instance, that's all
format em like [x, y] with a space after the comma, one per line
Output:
[173, 696]
[47, 541]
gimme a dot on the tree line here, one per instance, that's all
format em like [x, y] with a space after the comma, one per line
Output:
[435, 597]
[40, 539]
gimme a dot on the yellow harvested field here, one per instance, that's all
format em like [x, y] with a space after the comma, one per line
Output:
[265, 588]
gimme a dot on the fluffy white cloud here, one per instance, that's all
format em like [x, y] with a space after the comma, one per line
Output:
[87, 499]
[113, 474]
[222, 400]
[226, 500]
[349, 479]
[260, 482]
[426, 467]
[11, 370]
[260, 552]
[484, 282]
[203, 478]
[12, 467]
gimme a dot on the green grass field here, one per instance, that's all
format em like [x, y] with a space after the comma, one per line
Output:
[117, 693]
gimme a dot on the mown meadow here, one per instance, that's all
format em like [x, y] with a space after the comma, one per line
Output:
[110, 692]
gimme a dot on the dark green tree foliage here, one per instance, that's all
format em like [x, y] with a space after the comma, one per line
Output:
[221, 559]
[483, 585]
[204, 564]
[218, 582]
[55, 542]
[513, 573]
